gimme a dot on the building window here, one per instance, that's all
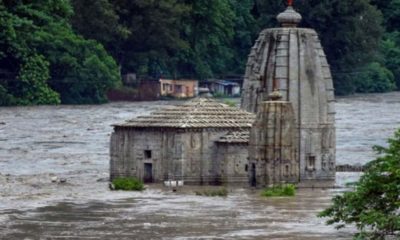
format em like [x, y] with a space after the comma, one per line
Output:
[287, 170]
[147, 154]
[311, 163]
[246, 168]
[178, 88]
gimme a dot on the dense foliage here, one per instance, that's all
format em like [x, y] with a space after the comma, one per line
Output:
[73, 51]
[42, 60]
[202, 39]
[287, 190]
[373, 206]
[128, 184]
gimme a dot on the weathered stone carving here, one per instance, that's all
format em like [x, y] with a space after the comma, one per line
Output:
[273, 145]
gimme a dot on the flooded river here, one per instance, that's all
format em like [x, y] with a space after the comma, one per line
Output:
[71, 142]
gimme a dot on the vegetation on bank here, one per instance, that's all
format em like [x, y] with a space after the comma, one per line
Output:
[43, 60]
[230, 103]
[221, 192]
[287, 190]
[373, 205]
[128, 184]
[49, 53]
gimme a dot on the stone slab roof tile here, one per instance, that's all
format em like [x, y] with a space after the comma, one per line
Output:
[197, 113]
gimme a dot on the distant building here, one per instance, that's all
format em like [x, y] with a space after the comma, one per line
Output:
[179, 88]
[223, 87]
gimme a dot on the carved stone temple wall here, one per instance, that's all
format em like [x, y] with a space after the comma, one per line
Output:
[272, 145]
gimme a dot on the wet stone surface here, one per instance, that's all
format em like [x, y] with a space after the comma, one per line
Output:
[38, 144]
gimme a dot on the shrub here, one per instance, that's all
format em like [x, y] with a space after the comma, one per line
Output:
[128, 184]
[287, 190]
[391, 53]
[223, 192]
[373, 204]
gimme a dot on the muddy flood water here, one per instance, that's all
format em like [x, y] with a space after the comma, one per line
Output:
[71, 142]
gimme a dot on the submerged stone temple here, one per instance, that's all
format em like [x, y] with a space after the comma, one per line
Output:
[200, 142]
[285, 132]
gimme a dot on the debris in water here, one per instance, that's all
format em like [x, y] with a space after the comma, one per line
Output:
[54, 179]
[63, 180]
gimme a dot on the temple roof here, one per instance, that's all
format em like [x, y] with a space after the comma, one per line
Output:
[197, 113]
[235, 137]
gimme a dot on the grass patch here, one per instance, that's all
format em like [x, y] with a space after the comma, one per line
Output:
[223, 192]
[128, 184]
[287, 190]
[230, 103]
[220, 95]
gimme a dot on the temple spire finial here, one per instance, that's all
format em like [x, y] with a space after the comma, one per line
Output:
[289, 18]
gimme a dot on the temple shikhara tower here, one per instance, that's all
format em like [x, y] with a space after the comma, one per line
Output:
[291, 60]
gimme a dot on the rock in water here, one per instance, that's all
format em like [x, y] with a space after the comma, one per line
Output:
[54, 179]
[63, 180]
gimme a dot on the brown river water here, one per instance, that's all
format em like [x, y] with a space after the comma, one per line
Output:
[71, 142]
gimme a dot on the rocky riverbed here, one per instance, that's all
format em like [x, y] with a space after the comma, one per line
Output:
[39, 146]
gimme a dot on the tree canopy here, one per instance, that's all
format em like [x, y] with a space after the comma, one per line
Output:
[73, 51]
[42, 60]
[373, 206]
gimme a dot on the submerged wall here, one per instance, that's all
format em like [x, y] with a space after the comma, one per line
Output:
[191, 155]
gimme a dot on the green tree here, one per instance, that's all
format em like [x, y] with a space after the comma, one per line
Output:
[374, 78]
[350, 33]
[40, 54]
[81, 70]
[373, 206]
[390, 47]
[391, 57]
[23, 71]
[176, 38]
[33, 75]
[391, 13]
[209, 30]
[246, 30]
[99, 20]
[155, 35]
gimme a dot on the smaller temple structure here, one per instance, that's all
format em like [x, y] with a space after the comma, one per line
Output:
[200, 142]
[272, 145]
